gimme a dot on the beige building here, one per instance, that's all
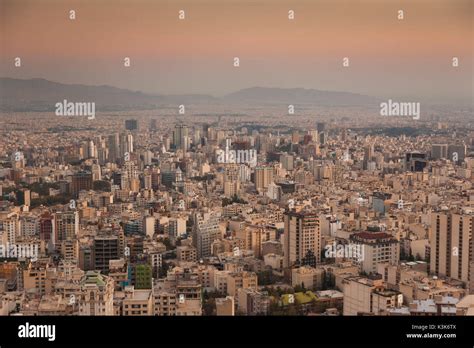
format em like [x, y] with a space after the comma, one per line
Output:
[118, 271]
[164, 302]
[274, 261]
[225, 306]
[70, 250]
[220, 281]
[205, 231]
[375, 248]
[192, 307]
[186, 253]
[253, 302]
[240, 280]
[452, 245]
[54, 305]
[437, 306]
[369, 296]
[309, 277]
[263, 177]
[205, 274]
[336, 273]
[465, 306]
[231, 180]
[96, 296]
[412, 280]
[178, 294]
[253, 237]
[302, 237]
[37, 278]
[137, 302]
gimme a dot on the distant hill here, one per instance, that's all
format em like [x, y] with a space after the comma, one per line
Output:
[41, 95]
[299, 96]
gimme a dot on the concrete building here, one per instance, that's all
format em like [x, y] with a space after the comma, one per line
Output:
[205, 231]
[375, 248]
[66, 225]
[307, 277]
[439, 151]
[137, 302]
[106, 247]
[96, 295]
[302, 239]
[253, 302]
[437, 306]
[240, 280]
[186, 253]
[452, 245]
[263, 178]
[369, 296]
[225, 306]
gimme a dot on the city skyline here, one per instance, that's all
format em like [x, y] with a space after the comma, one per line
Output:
[236, 160]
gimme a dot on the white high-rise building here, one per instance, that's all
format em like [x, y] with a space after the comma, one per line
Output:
[10, 227]
[374, 248]
[205, 231]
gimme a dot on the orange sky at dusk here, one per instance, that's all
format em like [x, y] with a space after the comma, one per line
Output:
[195, 55]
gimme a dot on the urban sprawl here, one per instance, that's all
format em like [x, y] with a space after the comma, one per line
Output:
[337, 211]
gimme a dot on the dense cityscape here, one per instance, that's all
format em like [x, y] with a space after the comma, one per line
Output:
[252, 212]
[210, 173]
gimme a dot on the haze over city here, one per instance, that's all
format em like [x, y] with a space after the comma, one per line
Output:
[409, 58]
[236, 158]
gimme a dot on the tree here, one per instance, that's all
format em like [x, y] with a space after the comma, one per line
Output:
[235, 199]
[168, 244]
[101, 185]
[300, 288]
[266, 277]
[209, 306]
[163, 271]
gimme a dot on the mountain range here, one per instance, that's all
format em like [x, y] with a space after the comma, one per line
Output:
[41, 95]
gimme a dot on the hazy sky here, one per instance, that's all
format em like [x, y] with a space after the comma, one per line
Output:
[410, 58]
